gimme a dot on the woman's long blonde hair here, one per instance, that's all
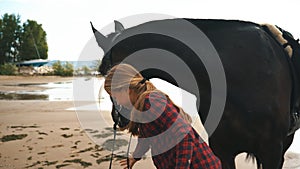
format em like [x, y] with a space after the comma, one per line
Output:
[124, 76]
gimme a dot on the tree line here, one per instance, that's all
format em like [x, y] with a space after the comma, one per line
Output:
[21, 41]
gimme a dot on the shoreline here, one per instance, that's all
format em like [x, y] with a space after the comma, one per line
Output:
[17, 83]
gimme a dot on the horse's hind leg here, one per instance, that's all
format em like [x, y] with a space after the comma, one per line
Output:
[288, 141]
[272, 156]
[228, 163]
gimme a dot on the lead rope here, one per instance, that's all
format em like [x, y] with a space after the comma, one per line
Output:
[112, 151]
[128, 151]
[114, 141]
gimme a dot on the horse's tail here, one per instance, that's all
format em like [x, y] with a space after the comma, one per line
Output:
[254, 158]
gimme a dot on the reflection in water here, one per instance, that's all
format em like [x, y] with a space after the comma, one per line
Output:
[61, 91]
[22, 96]
[27, 84]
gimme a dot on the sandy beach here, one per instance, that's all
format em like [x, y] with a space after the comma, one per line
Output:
[48, 134]
[44, 134]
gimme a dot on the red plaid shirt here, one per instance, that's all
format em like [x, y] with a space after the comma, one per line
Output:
[173, 142]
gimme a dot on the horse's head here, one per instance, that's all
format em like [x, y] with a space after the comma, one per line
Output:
[106, 44]
[106, 63]
[116, 113]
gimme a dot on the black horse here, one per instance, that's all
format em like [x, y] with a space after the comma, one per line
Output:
[260, 78]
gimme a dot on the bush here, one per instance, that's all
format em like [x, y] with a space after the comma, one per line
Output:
[68, 69]
[63, 70]
[8, 69]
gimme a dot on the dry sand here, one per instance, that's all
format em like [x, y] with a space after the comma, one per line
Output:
[44, 134]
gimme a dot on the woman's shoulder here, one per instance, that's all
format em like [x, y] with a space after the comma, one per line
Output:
[156, 96]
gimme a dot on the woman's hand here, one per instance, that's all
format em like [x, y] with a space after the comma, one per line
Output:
[132, 161]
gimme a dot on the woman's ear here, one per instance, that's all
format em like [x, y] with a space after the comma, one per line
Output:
[131, 93]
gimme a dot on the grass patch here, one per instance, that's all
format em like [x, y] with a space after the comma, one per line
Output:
[34, 164]
[91, 131]
[108, 157]
[108, 144]
[103, 159]
[76, 143]
[24, 127]
[67, 135]
[104, 135]
[13, 137]
[96, 155]
[57, 146]
[61, 165]
[48, 163]
[42, 133]
[85, 150]
[84, 164]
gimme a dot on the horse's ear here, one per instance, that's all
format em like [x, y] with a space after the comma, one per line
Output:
[118, 26]
[102, 41]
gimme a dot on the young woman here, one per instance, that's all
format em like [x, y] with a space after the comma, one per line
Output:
[159, 124]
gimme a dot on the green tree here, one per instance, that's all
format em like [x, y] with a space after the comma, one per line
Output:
[33, 42]
[8, 69]
[58, 68]
[86, 70]
[10, 30]
[68, 69]
[63, 70]
[96, 64]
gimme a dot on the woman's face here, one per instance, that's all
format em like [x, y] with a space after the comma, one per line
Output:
[122, 97]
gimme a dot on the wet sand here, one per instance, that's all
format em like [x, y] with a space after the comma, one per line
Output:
[18, 83]
[48, 134]
[45, 134]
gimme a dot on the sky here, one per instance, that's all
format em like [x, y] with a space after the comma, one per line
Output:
[66, 22]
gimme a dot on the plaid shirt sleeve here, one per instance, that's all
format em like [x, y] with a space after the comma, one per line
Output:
[184, 152]
[148, 129]
[141, 148]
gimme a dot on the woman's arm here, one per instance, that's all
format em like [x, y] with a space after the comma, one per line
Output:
[184, 152]
[141, 148]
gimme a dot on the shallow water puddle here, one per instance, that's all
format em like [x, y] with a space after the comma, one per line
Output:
[22, 96]
[53, 92]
